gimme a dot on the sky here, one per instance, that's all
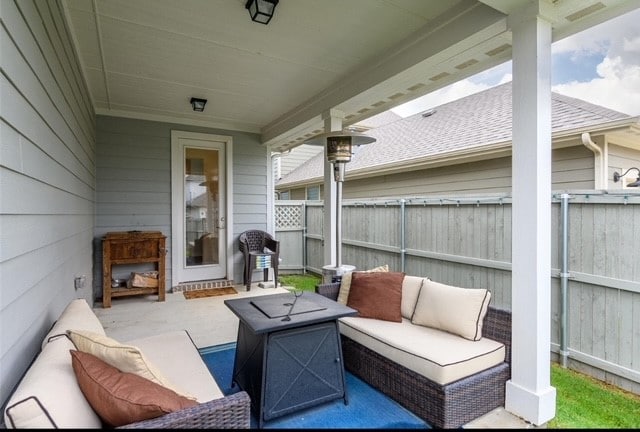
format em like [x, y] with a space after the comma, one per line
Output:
[600, 65]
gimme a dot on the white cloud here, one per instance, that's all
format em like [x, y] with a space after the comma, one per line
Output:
[616, 86]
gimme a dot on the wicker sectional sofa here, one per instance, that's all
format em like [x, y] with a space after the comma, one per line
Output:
[50, 396]
[441, 377]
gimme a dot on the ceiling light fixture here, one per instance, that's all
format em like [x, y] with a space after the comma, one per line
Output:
[261, 11]
[198, 104]
[617, 176]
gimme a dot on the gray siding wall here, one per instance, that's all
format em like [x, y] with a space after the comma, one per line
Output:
[620, 160]
[134, 183]
[47, 180]
[572, 169]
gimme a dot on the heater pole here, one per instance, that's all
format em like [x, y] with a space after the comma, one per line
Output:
[338, 224]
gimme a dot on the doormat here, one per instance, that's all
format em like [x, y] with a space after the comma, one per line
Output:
[212, 292]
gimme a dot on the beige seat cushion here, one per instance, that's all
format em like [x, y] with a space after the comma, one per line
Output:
[460, 311]
[345, 283]
[181, 364]
[439, 356]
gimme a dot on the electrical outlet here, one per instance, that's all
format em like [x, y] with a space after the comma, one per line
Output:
[79, 282]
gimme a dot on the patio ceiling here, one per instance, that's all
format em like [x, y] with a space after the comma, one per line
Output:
[146, 58]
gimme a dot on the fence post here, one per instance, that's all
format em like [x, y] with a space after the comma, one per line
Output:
[564, 278]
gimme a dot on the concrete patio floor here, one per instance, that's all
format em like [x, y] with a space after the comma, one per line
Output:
[210, 322]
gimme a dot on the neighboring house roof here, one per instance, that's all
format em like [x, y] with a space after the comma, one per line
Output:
[475, 121]
[378, 120]
[292, 159]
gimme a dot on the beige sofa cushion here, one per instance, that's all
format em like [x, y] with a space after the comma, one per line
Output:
[175, 354]
[410, 289]
[77, 315]
[345, 283]
[460, 311]
[437, 355]
[49, 396]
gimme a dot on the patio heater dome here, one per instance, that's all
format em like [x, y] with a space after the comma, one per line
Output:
[339, 148]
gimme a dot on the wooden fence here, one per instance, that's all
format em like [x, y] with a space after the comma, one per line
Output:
[466, 241]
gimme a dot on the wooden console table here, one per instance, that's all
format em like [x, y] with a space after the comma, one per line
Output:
[132, 247]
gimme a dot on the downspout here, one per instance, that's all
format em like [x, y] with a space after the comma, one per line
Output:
[564, 278]
[599, 177]
[403, 250]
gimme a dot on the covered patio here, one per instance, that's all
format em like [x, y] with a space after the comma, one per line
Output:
[96, 96]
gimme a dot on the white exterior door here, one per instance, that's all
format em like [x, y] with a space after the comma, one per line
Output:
[199, 216]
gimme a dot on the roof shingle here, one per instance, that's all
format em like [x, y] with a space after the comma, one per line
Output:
[474, 121]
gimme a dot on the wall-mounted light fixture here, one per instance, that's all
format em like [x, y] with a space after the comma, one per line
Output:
[261, 11]
[198, 104]
[339, 148]
[617, 176]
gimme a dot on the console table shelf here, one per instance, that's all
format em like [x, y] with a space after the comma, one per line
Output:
[132, 247]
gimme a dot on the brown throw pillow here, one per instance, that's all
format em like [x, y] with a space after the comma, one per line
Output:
[120, 398]
[377, 295]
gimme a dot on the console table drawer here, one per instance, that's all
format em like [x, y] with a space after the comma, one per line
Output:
[135, 249]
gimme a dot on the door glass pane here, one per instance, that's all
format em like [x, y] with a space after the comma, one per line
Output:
[201, 195]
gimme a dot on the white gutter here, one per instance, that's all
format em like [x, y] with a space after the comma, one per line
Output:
[600, 172]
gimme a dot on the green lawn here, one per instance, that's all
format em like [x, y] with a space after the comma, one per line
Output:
[306, 282]
[584, 402]
[581, 401]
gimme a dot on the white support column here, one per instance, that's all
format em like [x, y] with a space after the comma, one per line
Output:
[332, 123]
[529, 393]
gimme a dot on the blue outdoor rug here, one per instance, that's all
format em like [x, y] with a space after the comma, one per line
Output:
[367, 408]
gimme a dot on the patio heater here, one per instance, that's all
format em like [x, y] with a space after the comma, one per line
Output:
[338, 152]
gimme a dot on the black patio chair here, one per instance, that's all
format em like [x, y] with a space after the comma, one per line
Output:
[257, 245]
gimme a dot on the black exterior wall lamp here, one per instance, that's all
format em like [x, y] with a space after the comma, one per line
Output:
[261, 11]
[198, 104]
[617, 176]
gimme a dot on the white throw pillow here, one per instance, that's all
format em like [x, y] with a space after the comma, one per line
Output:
[126, 358]
[453, 309]
[345, 283]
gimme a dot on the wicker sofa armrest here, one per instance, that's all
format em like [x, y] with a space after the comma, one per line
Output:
[229, 412]
[329, 290]
[497, 326]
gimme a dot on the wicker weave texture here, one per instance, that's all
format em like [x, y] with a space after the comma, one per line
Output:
[229, 412]
[448, 406]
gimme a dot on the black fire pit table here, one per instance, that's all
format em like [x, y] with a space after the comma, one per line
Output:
[288, 351]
